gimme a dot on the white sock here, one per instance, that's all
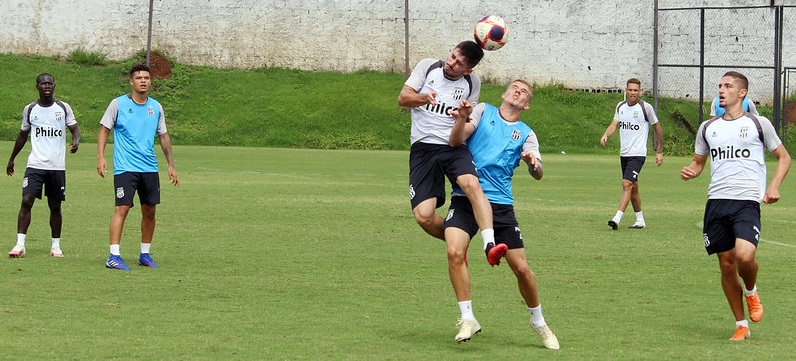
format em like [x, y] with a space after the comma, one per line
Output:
[115, 250]
[537, 320]
[618, 217]
[639, 217]
[743, 323]
[466, 307]
[21, 239]
[145, 247]
[56, 243]
[750, 293]
[489, 237]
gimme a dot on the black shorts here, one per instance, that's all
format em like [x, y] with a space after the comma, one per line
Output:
[429, 164]
[53, 181]
[631, 167]
[728, 219]
[507, 230]
[147, 185]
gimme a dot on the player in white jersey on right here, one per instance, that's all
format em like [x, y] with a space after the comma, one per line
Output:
[736, 144]
[633, 117]
[432, 91]
[46, 121]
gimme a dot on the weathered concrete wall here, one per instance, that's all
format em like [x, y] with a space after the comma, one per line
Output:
[580, 43]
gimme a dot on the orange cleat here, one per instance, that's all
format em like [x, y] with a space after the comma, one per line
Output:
[741, 333]
[755, 308]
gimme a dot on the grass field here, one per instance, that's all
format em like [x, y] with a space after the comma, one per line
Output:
[314, 254]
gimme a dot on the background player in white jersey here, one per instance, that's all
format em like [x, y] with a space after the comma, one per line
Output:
[498, 140]
[135, 119]
[633, 118]
[46, 121]
[434, 89]
[736, 143]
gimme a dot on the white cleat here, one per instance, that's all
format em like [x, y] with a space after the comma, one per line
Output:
[467, 328]
[549, 339]
[638, 225]
[17, 251]
[56, 252]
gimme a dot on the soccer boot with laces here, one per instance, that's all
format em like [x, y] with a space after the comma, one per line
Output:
[17, 251]
[549, 339]
[755, 307]
[146, 260]
[613, 225]
[741, 333]
[56, 252]
[116, 262]
[467, 328]
[495, 252]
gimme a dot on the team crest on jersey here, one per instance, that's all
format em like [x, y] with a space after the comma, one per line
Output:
[150, 110]
[515, 134]
[743, 132]
[120, 192]
[636, 114]
[458, 93]
[59, 117]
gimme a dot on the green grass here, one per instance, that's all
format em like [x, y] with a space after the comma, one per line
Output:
[270, 253]
[288, 108]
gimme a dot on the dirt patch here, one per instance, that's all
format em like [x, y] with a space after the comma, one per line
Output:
[159, 65]
[790, 113]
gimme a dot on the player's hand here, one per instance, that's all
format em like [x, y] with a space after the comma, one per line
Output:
[530, 159]
[173, 179]
[463, 111]
[10, 168]
[687, 173]
[102, 168]
[659, 159]
[429, 98]
[603, 140]
[771, 196]
[73, 147]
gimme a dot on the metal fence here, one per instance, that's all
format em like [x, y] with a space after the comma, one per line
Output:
[694, 46]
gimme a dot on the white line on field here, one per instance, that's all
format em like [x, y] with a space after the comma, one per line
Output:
[699, 225]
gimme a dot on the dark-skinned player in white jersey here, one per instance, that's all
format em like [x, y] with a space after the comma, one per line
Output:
[736, 144]
[45, 121]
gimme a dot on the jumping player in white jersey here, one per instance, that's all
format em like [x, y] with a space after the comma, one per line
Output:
[433, 91]
[633, 118]
[498, 141]
[135, 119]
[46, 121]
[736, 144]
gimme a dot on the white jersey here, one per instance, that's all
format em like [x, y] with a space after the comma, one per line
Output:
[432, 124]
[634, 128]
[47, 126]
[737, 156]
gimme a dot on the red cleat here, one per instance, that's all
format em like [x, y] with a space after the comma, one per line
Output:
[495, 253]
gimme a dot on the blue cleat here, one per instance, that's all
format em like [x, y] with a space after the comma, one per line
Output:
[116, 262]
[146, 260]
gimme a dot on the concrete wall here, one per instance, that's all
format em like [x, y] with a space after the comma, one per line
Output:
[580, 43]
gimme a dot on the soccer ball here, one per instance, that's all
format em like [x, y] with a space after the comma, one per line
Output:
[491, 32]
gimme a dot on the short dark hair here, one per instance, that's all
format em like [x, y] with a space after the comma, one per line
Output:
[739, 76]
[471, 51]
[634, 81]
[42, 75]
[137, 68]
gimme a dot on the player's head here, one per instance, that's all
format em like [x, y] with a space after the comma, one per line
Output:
[733, 87]
[45, 83]
[139, 78]
[462, 59]
[632, 90]
[518, 94]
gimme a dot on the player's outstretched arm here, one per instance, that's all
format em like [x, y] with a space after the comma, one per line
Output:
[783, 166]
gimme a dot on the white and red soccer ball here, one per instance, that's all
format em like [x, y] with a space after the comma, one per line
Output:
[491, 32]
